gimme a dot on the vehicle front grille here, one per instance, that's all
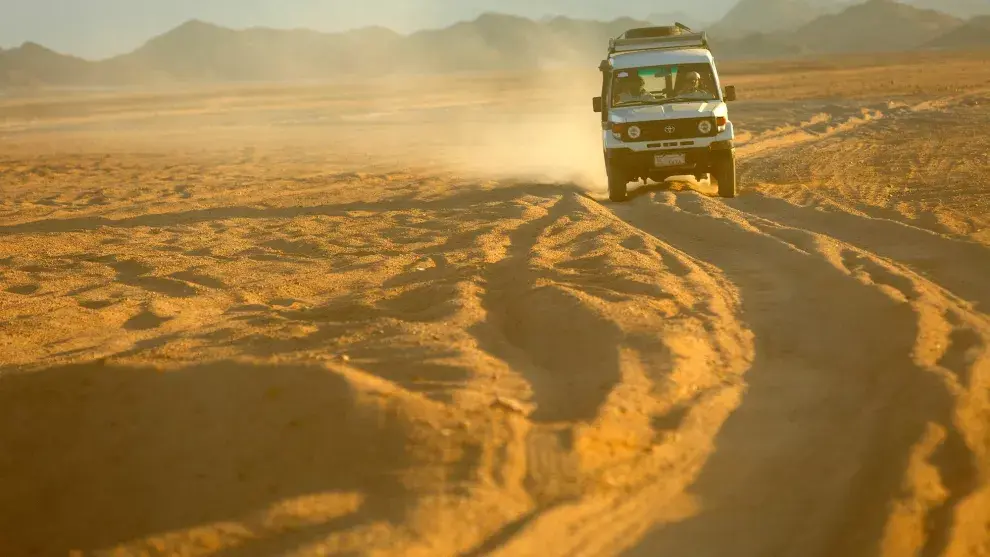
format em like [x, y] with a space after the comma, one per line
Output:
[684, 128]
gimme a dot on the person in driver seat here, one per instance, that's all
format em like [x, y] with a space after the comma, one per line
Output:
[631, 88]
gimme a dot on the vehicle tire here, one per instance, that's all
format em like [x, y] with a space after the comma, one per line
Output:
[724, 174]
[617, 186]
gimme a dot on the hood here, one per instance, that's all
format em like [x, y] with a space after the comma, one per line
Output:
[647, 113]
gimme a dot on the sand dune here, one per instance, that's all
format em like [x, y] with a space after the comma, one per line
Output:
[312, 323]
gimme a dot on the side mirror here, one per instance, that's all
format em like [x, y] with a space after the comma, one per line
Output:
[596, 104]
[730, 93]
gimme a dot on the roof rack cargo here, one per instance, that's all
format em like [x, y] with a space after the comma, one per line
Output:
[658, 38]
[656, 31]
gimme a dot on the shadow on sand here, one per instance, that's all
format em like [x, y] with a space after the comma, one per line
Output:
[95, 456]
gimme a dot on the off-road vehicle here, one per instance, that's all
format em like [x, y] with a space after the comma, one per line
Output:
[664, 111]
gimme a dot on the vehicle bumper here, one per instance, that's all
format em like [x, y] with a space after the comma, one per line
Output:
[611, 142]
[641, 163]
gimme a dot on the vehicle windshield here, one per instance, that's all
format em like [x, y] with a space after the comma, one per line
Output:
[664, 84]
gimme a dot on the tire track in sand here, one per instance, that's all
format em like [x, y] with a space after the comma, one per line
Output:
[849, 407]
[864, 401]
[822, 126]
[845, 390]
[781, 413]
[861, 430]
[632, 370]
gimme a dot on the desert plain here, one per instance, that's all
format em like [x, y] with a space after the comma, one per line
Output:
[399, 317]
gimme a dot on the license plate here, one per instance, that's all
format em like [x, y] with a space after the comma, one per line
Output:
[669, 159]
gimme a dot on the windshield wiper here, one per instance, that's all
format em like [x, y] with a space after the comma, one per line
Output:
[660, 101]
[681, 99]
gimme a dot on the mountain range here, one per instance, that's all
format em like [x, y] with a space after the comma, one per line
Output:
[198, 51]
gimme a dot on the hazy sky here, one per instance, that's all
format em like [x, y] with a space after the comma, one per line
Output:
[101, 28]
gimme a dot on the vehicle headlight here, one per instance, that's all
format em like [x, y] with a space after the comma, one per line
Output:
[633, 132]
[705, 127]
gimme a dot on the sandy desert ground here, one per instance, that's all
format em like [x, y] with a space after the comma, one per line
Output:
[402, 318]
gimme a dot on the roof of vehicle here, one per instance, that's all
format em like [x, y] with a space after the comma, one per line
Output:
[641, 58]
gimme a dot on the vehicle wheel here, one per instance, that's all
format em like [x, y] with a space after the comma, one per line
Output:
[617, 186]
[724, 173]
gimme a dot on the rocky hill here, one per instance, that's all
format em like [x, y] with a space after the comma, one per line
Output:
[874, 26]
[964, 9]
[32, 64]
[199, 51]
[975, 33]
[770, 16]
[202, 52]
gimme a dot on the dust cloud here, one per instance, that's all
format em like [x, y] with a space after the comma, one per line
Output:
[557, 148]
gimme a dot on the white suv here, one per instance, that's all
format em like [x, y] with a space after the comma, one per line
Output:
[664, 110]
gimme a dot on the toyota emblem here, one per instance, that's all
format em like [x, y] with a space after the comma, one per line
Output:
[669, 129]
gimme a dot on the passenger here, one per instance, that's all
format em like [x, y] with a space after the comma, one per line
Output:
[690, 86]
